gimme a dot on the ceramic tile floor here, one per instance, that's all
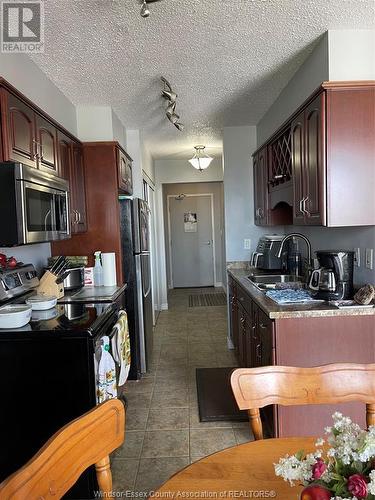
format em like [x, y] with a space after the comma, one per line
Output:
[163, 432]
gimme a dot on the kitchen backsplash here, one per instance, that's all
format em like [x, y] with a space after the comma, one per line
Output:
[30, 254]
[342, 238]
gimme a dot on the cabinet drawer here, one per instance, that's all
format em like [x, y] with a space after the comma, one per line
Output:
[244, 299]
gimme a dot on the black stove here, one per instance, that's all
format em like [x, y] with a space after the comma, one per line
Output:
[53, 365]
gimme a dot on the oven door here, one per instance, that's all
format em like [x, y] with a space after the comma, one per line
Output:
[44, 214]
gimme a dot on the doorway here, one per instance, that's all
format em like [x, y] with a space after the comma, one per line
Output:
[191, 240]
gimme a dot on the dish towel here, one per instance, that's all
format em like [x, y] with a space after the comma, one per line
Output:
[289, 296]
[106, 383]
[121, 347]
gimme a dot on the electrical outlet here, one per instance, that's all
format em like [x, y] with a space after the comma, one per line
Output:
[246, 244]
[357, 257]
[369, 258]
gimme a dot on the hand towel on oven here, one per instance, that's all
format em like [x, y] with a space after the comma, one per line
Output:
[121, 347]
[106, 383]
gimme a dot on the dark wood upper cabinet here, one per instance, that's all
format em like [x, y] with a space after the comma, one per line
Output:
[260, 188]
[64, 154]
[297, 133]
[77, 190]
[46, 137]
[332, 155]
[308, 161]
[18, 128]
[125, 172]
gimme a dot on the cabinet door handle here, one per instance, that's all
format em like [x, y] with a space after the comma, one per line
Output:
[258, 351]
[40, 150]
[35, 149]
[79, 216]
[305, 200]
[263, 326]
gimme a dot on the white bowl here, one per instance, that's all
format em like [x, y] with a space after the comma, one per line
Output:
[41, 302]
[44, 315]
[14, 316]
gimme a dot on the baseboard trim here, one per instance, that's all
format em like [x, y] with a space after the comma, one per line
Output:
[164, 307]
[218, 284]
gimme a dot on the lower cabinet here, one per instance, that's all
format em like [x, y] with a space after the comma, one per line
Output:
[301, 342]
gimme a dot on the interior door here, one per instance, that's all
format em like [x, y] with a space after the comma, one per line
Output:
[191, 240]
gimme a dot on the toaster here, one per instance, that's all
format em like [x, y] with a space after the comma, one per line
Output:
[265, 257]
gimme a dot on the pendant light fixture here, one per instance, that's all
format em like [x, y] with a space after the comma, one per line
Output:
[200, 160]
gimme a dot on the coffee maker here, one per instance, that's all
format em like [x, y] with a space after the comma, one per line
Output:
[334, 278]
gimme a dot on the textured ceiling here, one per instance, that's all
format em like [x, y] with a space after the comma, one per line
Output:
[226, 59]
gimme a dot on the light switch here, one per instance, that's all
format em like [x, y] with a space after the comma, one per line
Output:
[246, 244]
[369, 258]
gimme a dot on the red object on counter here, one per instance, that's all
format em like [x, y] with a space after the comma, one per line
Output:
[315, 493]
[3, 260]
[12, 262]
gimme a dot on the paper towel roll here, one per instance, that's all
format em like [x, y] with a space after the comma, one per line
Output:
[109, 269]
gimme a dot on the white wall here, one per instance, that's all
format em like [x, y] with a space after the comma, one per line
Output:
[307, 78]
[351, 54]
[99, 123]
[30, 254]
[24, 74]
[238, 145]
[171, 171]
[134, 149]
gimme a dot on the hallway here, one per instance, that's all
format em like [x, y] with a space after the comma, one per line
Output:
[163, 432]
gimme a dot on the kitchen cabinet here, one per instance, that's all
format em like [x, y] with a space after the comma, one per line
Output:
[260, 188]
[233, 311]
[125, 172]
[327, 147]
[77, 190]
[101, 179]
[64, 146]
[71, 168]
[46, 144]
[308, 161]
[28, 137]
[302, 342]
[18, 130]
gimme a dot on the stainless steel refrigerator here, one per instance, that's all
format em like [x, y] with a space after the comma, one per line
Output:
[135, 242]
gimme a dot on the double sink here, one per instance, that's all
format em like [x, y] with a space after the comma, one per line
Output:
[266, 282]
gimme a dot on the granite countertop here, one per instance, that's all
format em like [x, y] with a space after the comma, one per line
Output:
[93, 294]
[274, 311]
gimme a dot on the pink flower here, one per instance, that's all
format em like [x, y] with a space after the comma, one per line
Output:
[357, 485]
[318, 469]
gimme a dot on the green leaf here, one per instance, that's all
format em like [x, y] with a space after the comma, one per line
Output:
[300, 454]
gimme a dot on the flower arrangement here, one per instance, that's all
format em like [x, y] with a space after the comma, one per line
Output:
[341, 468]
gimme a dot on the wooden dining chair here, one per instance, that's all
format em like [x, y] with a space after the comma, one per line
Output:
[85, 441]
[255, 388]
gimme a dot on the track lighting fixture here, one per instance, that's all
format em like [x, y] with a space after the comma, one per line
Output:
[145, 11]
[170, 111]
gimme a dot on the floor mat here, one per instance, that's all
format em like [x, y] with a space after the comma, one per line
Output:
[207, 299]
[215, 397]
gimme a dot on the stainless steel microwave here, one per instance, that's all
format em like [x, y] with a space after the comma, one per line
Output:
[34, 205]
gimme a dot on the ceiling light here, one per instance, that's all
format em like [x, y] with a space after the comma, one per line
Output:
[145, 11]
[200, 160]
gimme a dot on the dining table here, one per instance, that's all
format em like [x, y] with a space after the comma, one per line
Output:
[242, 471]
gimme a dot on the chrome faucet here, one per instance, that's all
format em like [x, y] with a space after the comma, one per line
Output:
[308, 246]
